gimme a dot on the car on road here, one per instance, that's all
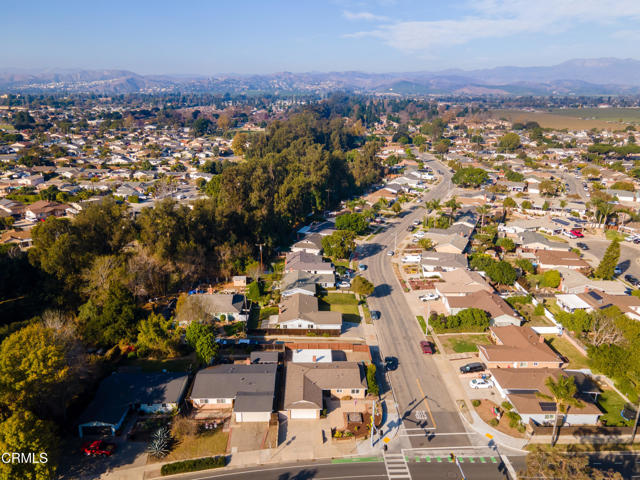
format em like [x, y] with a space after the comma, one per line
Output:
[375, 315]
[410, 228]
[427, 347]
[617, 270]
[362, 267]
[632, 280]
[472, 367]
[568, 234]
[344, 284]
[390, 253]
[390, 363]
[416, 222]
[577, 233]
[98, 448]
[480, 383]
[582, 245]
[428, 296]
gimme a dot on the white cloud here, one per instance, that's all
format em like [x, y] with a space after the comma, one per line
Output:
[368, 16]
[501, 19]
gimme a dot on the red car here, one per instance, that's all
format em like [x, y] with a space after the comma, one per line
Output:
[426, 347]
[98, 448]
[577, 233]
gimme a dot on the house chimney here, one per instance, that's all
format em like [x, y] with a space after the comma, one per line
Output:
[314, 359]
[540, 339]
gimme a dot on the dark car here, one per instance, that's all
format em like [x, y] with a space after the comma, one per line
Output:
[410, 228]
[375, 315]
[632, 280]
[98, 448]
[582, 245]
[390, 363]
[426, 347]
[472, 367]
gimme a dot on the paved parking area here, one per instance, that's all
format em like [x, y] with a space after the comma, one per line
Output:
[472, 393]
[247, 436]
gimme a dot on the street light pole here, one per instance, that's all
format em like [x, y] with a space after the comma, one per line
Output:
[260, 245]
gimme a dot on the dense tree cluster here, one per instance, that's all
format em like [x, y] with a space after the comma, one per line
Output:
[470, 177]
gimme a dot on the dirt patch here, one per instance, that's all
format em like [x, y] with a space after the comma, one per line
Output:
[485, 410]
[419, 284]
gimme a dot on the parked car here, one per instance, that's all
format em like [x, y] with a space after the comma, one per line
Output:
[472, 367]
[632, 280]
[429, 296]
[344, 284]
[416, 222]
[410, 228]
[568, 234]
[390, 253]
[582, 245]
[577, 233]
[375, 315]
[98, 448]
[480, 383]
[390, 363]
[362, 267]
[426, 347]
[617, 270]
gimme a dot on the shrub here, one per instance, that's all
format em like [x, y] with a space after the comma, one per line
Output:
[506, 406]
[494, 422]
[476, 402]
[551, 279]
[539, 310]
[514, 419]
[193, 465]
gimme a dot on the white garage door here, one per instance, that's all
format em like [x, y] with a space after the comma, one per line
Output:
[253, 416]
[304, 413]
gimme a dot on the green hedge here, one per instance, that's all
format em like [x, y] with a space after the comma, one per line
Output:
[423, 324]
[193, 465]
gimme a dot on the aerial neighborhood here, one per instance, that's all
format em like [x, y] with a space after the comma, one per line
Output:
[212, 297]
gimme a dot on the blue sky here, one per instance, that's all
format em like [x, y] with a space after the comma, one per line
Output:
[212, 37]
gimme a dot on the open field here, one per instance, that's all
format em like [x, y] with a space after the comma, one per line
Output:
[556, 120]
[564, 348]
[619, 115]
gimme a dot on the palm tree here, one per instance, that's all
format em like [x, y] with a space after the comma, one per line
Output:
[483, 210]
[452, 205]
[563, 395]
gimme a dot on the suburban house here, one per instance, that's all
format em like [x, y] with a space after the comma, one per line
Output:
[551, 260]
[121, 392]
[310, 243]
[300, 311]
[500, 312]
[12, 207]
[574, 281]
[517, 347]
[245, 390]
[21, 238]
[597, 300]
[460, 282]
[534, 241]
[299, 281]
[623, 195]
[519, 386]
[307, 262]
[43, 209]
[306, 385]
[433, 263]
[215, 305]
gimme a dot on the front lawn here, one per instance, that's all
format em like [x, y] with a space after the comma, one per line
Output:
[612, 404]
[562, 346]
[613, 234]
[464, 343]
[194, 445]
[232, 329]
[345, 303]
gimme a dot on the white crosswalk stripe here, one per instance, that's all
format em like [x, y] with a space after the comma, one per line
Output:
[396, 466]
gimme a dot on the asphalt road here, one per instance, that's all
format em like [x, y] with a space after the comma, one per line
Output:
[429, 413]
[575, 185]
[337, 471]
[629, 253]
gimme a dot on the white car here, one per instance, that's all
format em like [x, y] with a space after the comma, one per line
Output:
[480, 383]
[419, 235]
[344, 284]
[429, 296]
[390, 253]
[617, 270]
[416, 222]
[568, 234]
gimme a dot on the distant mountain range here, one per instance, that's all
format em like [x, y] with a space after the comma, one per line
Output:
[600, 76]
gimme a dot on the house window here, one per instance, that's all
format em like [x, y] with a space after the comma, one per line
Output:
[338, 390]
[165, 405]
[355, 390]
[220, 400]
[299, 325]
[535, 364]
[524, 364]
[549, 417]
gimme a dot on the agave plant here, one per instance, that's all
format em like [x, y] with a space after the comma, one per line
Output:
[160, 442]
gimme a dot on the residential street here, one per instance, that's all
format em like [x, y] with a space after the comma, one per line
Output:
[423, 399]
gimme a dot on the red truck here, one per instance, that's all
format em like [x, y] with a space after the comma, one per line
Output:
[98, 448]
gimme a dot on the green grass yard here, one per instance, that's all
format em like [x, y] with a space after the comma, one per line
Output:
[612, 404]
[345, 303]
[562, 346]
[181, 364]
[464, 343]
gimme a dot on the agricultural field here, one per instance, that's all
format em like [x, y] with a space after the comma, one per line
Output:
[575, 118]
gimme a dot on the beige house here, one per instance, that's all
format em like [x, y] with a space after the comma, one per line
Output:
[500, 312]
[307, 384]
[517, 347]
[461, 282]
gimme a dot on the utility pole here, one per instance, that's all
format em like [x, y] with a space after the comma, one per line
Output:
[260, 245]
[455, 459]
